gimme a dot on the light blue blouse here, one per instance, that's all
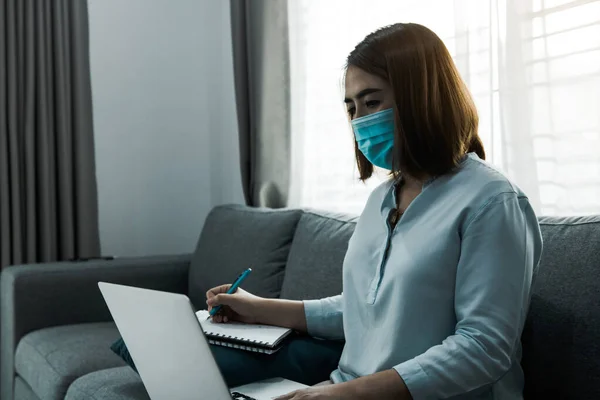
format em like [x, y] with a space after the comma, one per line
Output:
[443, 297]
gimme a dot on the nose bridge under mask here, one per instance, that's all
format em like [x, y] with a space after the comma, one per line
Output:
[373, 124]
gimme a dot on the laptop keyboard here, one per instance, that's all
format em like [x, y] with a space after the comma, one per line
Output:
[239, 396]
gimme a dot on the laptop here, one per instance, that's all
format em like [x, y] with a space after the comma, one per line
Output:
[170, 351]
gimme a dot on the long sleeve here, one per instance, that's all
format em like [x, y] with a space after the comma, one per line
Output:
[324, 317]
[500, 249]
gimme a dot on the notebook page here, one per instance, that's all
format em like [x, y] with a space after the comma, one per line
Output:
[265, 334]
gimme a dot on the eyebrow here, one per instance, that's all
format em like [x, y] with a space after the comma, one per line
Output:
[362, 94]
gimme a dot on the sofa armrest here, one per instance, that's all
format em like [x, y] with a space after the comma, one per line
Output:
[37, 296]
[43, 295]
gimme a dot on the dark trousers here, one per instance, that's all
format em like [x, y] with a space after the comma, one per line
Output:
[302, 359]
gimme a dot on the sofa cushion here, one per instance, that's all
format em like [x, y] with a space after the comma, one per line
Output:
[235, 238]
[314, 267]
[23, 391]
[120, 383]
[50, 359]
[561, 345]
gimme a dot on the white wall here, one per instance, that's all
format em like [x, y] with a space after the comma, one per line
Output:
[164, 119]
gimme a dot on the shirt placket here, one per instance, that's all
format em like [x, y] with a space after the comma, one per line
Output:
[378, 277]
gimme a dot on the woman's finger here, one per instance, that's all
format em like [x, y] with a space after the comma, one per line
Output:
[288, 396]
[217, 290]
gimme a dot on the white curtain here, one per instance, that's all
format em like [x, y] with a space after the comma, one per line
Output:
[533, 68]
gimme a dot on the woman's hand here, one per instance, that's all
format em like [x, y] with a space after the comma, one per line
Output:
[240, 306]
[385, 385]
[246, 307]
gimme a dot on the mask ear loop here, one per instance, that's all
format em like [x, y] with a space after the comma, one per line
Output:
[396, 172]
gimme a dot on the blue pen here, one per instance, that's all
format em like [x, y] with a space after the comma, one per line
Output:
[232, 289]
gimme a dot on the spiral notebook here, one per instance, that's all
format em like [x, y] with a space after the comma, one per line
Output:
[256, 338]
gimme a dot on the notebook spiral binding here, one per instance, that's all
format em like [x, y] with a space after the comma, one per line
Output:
[240, 346]
[218, 335]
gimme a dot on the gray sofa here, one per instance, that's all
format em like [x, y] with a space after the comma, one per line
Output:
[56, 329]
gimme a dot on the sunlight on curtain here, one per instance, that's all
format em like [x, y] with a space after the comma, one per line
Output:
[533, 68]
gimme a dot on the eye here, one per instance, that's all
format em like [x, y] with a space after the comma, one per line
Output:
[372, 103]
[351, 111]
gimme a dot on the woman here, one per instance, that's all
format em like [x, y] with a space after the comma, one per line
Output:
[437, 277]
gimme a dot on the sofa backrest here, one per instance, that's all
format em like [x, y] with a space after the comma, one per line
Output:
[314, 267]
[299, 255]
[235, 238]
[561, 339]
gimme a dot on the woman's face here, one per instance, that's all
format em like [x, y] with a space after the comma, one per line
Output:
[366, 93]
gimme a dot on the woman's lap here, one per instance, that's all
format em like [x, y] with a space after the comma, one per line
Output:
[302, 359]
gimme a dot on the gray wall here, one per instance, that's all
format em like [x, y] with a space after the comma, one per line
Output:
[164, 119]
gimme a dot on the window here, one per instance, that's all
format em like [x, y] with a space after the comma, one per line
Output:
[533, 68]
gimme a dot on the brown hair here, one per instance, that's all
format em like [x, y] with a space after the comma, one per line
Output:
[435, 117]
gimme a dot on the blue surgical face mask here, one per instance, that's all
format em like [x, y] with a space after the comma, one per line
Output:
[375, 137]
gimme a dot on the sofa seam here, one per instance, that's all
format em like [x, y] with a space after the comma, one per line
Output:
[45, 358]
[328, 217]
[83, 392]
[97, 389]
[256, 210]
[569, 224]
[26, 341]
